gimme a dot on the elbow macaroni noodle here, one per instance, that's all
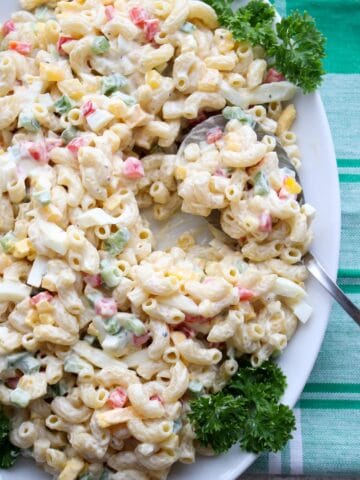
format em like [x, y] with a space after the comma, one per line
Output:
[103, 335]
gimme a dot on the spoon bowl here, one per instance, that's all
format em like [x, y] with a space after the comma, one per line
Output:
[197, 135]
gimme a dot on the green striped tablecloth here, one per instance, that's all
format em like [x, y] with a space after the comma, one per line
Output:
[327, 439]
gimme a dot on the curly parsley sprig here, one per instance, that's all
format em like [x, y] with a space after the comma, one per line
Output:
[295, 45]
[8, 452]
[253, 23]
[246, 411]
[264, 382]
[218, 420]
[301, 50]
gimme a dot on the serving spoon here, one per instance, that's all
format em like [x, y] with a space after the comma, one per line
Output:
[198, 134]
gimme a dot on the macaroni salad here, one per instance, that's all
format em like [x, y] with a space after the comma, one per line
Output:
[103, 337]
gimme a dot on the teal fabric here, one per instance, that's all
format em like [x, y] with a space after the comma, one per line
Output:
[327, 439]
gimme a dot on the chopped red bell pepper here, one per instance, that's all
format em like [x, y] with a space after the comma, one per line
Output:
[9, 26]
[21, 47]
[273, 75]
[213, 135]
[62, 39]
[41, 297]
[139, 16]
[117, 398]
[245, 294]
[88, 108]
[110, 12]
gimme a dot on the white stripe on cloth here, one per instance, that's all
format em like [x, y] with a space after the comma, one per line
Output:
[296, 447]
[274, 463]
[341, 97]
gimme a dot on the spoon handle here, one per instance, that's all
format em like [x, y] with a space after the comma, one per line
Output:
[323, 278]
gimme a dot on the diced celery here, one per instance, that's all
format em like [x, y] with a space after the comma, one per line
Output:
[24, 362]
[63, 105]
[287, 172]
[105, 474]
[177, 425]
[116, 342]
[28, 122]
[7, 242]
[124, 338]
[100, 45]
[92, 295]
[241, 266]
[115, 244]
[63, 388]
[90, 339]
[110, 274]
[86, 476]
[14, 358]
[155, 149]
[276, 353]
[237, 113]
[58, 389]
[231, 352]
[113, 82]
[134, 325]
[43, 14]
[112, 326]
[261, 185]
[188, 27]
[69, 134]
[73, 364]
[195, 387]
[17, 153]
[129, 100]
[20, 398]
[43, 197]
[54, 52]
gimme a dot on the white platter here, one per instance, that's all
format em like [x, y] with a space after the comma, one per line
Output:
[320, 181]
